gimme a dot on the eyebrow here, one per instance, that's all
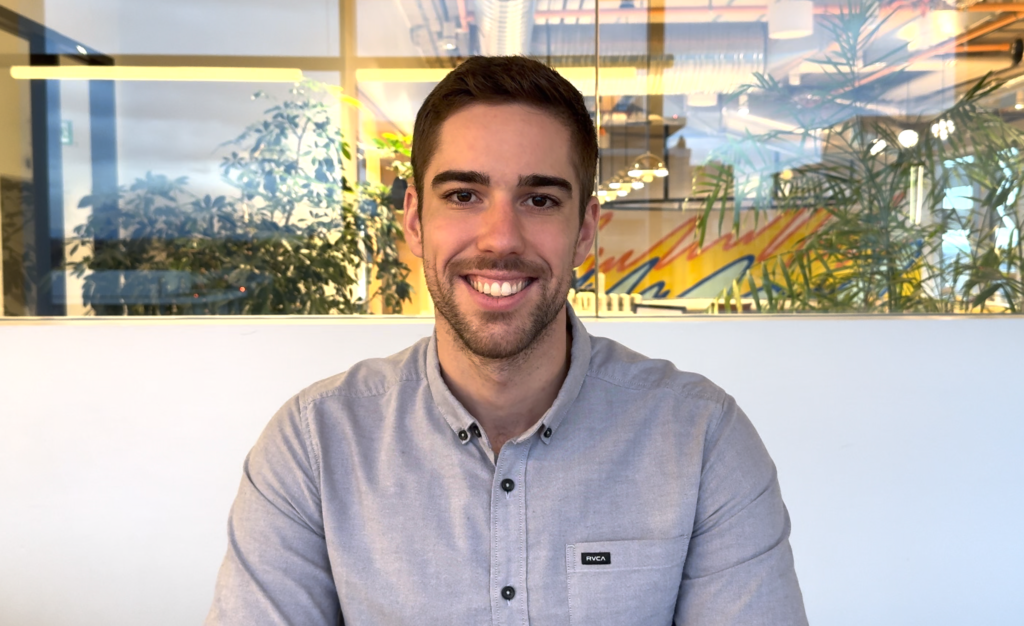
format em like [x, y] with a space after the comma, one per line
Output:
[540, 180]
[479, 178]
[460, 176]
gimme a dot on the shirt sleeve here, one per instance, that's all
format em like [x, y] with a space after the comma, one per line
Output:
[277, 569]
[739, 568]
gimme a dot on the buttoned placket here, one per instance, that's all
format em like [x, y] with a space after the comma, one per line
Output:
[508, 593]
[508, 533]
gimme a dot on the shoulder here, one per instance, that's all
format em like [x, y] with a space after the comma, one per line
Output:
[372, 377]
[614, 364]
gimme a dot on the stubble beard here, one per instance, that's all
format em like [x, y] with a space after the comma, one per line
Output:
[497, 335]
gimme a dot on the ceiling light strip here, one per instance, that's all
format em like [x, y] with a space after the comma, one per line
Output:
[185, 74]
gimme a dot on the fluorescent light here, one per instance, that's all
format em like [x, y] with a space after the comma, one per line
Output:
[122, 72]
[81, 49]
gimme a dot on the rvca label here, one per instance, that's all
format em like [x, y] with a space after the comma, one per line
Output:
[596, 558]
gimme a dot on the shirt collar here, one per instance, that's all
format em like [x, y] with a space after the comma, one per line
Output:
[462, 423]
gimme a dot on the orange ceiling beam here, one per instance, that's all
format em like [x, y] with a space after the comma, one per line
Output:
[963, 38]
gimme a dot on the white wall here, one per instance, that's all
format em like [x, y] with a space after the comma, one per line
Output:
[900, 446]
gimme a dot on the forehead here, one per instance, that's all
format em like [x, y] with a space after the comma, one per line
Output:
[504, 139]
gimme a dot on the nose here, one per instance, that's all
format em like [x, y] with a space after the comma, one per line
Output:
[500, 230]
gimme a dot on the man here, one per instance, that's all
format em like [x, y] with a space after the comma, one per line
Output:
[510, 469]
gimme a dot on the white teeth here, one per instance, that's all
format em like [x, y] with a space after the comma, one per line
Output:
[499, 290]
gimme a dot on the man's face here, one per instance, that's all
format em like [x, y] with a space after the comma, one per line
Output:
[499, 232]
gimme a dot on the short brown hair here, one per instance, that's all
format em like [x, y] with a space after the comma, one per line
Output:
[507, 80]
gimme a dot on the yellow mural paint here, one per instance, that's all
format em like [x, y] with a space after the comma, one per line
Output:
[675, 265]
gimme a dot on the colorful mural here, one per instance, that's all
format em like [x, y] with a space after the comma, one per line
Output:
[674, 265]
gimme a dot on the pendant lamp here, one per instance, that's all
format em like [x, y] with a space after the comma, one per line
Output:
[790, 19]
[648, 167]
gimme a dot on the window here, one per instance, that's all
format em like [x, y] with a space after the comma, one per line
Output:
[234, 158]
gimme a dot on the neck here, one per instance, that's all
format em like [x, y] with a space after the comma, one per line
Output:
[506, 396]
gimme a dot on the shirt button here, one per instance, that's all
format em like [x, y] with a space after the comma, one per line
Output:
[463, 435]
[547, 433]
[475, 430]
[508, 484]
[508, 592]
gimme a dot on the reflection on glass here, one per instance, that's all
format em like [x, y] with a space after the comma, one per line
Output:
[822, 179]
[755, 156]
[17, 263]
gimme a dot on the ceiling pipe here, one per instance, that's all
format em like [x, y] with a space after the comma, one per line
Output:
[753, 12]
[1014, 48]
[983, 47]
[986, 28]
[996, 7]
[961, 39]
[1006, 80]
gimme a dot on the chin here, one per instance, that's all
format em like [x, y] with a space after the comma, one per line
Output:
[497, 340]
[500, 335]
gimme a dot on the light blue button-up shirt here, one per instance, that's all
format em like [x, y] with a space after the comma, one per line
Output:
[642, 497]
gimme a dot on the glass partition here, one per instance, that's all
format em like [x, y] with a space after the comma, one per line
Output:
[249, 158]
[17, 260]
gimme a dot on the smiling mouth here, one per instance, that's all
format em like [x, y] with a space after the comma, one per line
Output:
[497, 288]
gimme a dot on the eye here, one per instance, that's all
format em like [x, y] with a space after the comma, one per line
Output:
[542, 202]
[460, 196]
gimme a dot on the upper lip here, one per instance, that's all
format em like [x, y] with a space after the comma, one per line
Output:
[498, 276]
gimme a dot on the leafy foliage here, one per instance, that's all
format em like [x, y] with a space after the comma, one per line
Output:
[884, 247]
[18, 256]
[396, 147]
[296, 240]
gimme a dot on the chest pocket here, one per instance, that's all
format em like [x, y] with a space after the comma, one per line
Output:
[625, 582]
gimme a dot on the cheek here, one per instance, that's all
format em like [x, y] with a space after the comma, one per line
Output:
[557, 250]
[444, 239]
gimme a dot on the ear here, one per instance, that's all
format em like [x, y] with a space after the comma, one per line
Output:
[412, 223]
[588, 230]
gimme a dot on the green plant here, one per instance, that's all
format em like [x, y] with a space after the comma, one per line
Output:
[18, 256]
[881, 250]
[297, 239]
[395, 147]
